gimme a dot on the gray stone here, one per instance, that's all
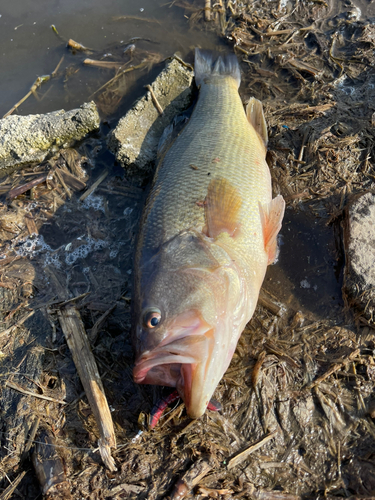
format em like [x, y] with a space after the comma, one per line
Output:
[135, 139]
[26, 139]
[359, 244]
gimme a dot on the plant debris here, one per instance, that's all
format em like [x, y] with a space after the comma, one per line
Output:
[297, 418]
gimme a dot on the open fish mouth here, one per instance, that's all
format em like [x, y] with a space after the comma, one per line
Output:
[184, 363]
[167, 363]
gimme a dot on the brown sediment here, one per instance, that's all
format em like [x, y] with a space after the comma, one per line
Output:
[304, 369]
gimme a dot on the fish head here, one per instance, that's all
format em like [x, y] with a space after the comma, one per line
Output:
[183, 330]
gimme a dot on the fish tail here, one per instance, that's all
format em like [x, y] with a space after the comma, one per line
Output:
[207, 64]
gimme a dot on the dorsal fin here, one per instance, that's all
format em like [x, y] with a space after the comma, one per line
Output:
[255, 116]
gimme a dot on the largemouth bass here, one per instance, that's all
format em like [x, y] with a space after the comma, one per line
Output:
[208, 231]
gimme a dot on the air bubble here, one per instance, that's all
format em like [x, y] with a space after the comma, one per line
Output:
[128, 211]
[84, 250]
[35, 245]
[94, 201]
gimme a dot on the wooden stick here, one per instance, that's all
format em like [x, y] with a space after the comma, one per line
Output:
[20, 322]
[270, 346]
[103, 64]
[69, 301]
[135, 18]
[132, 68]
[76, 338]
[266, 302]
[334, 368]
[54, 72]
[10, 490]
[30, 224]
[94, 186]
[155, 101]
[99, 323]
[18, 104]
[257, 369]
[30, 440]
[190, 479]
[207, 10]
[77, 46]
[18, 388]
[13, 193]
[66, 189]
[72, 181]
[38, 82]
[242, 455]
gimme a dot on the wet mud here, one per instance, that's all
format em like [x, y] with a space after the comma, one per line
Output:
[298, 404]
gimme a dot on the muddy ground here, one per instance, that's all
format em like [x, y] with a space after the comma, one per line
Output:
[298, 403]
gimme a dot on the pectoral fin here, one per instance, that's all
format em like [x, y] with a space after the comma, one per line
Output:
[222, 208]
[255, 116]
[272, 215]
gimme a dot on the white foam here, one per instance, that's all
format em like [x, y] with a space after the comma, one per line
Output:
[84, 250]
[34, 245]
[94, 201]
[305, 284]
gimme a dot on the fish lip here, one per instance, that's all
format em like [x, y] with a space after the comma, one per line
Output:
[185, 361]
[162, 355]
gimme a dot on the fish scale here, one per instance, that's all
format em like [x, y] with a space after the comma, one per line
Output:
[219, 141]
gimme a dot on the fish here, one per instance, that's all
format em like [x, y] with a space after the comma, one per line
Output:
[207, 234]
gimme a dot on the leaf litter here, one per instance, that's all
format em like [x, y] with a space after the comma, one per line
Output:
[298, 398]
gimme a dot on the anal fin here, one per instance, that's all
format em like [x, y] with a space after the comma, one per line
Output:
[222, 208]
[272, 215]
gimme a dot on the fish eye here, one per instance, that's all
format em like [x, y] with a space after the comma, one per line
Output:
[151, 318]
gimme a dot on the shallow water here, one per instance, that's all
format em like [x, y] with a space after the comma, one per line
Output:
[30, 48]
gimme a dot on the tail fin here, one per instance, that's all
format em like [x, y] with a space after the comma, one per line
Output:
[206, 64]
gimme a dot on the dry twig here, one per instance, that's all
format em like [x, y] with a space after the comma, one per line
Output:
[190, 479]
[6, 494]
[13, 193]
[334, 368]
[76, 338]
[16, 387]
[240, 457]
[94, 186]
[154, 100]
